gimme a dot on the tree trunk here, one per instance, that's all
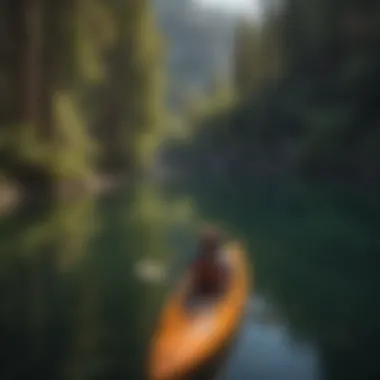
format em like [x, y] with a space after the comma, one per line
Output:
[31, 61]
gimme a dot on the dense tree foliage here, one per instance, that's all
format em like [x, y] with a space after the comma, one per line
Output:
[81, 89]
[308, 80]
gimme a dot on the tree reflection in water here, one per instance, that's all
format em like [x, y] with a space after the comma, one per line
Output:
[71, 305]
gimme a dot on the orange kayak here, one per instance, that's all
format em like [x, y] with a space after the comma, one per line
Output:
[187, 339]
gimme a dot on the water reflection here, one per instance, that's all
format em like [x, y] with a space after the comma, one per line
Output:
[317, 260]
[71, 304]
[266, 350]
[39, 246]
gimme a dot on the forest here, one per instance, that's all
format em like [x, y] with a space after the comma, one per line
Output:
[84, 95]
[306, 99]
[88, 102]
[81, 92]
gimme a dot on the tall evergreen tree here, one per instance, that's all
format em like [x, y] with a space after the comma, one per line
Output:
[130, 113]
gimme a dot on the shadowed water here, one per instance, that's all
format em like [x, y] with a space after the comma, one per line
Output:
[81, 282]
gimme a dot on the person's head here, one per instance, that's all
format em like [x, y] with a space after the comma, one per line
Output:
[210, 242]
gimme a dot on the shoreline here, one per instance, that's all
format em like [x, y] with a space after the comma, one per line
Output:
[11, 196]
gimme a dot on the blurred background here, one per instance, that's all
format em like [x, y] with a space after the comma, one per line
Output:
[127, 124]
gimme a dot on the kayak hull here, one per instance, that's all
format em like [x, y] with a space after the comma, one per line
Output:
[185, 340]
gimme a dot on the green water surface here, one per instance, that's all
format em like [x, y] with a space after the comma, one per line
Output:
[81, 281]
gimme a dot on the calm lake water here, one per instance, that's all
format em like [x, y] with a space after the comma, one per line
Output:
[81, 282]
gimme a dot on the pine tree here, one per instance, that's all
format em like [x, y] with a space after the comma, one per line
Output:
[258, 54]
[84, 80]
[44, 135]
[130, 117]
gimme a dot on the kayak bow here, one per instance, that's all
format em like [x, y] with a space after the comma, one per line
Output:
[186, 339]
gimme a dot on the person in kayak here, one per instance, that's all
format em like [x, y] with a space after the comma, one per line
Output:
[209, 272]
